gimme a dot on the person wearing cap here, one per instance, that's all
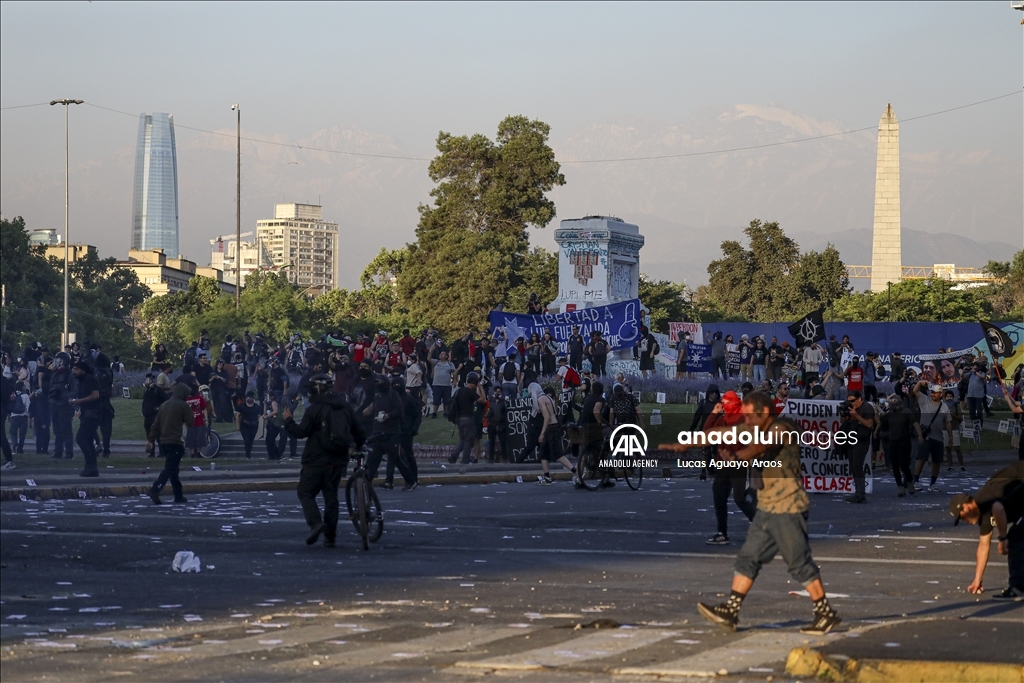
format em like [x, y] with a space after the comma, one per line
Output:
[997, 506]
[934, 424]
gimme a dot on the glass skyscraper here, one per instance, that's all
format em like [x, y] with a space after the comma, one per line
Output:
[155, 202]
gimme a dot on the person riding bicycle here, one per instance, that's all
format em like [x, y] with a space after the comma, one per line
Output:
[331, 430]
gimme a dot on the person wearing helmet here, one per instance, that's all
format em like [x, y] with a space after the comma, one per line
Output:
[331, 430]
[385, 411]
[463, 409]
[60, 406]
[935, 422]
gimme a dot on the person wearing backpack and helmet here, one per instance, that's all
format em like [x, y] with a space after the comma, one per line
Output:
[385, 413]
[331, 430]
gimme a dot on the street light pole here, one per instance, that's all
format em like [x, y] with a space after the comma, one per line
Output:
[67, 192]
[238, 213]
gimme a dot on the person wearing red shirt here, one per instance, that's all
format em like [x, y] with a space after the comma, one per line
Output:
[407, 343]
[854, 376]
[359, 350]
[196, 436]
[781, 396]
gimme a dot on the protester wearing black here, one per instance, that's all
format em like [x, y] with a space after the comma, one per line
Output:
[859, 424]
[997, 507]
[41, 404]
[105, 383]
[152, 399]
[462, 409]
[172, 416]
[88, 405]
[412, 417]
[331, 430]
[598, 350]
[360, 397]
[497, 426]
[718, 364]
[386, 414]
[60, 407]
[898, 423]
[248, 416]
[575, 347]
[6, 401]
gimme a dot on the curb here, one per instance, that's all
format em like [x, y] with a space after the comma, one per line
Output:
[134, 491]
[804, 661]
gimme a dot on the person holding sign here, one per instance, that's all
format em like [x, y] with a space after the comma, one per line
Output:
[779, 526]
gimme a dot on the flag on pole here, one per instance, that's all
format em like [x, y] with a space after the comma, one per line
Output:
[809, 329]
[999, 343]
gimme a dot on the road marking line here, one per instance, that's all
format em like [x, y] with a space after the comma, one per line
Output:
[713, 556]
[439, 643]
[737, 657]
[597, 645]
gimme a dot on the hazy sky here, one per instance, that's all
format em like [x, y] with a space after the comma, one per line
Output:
[410, 70]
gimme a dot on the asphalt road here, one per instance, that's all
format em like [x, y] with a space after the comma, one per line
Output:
[504, 579]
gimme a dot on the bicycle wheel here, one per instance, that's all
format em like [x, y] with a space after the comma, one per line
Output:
[362, 505]
[375, 514]
[634, 477]
[586, 469]
[212, 447]
[352, 499]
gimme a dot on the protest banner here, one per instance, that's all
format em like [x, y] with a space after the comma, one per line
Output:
[825, 468]
[619, 324]
[941, 368]
[700, 358]
[695, 330]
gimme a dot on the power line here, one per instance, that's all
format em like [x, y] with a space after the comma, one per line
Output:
[25, 106]
[270, 142]
[578, 161]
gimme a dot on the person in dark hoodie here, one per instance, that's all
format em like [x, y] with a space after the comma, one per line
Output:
[172, 416]
[330, 429]
[386, 414]
[412, 417]
[704, 408]
[360, 396]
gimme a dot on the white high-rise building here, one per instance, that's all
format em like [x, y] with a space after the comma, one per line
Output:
[223, 253]
[301, 244]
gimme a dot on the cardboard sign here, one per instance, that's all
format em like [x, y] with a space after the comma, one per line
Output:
[660, 397]
[655, 417]
[825, 470]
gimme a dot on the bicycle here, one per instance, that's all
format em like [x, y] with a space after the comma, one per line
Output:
[364, 507]
[593, 442]
[212, 447]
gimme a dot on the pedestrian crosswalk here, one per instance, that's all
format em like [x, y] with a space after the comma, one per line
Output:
[317, 646]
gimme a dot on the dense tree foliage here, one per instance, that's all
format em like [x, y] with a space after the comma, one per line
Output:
[770, 279]
[471, 244]
[103, 300]
[666, 302]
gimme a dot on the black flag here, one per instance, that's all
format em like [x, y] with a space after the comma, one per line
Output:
[809, 329]
[999, 343]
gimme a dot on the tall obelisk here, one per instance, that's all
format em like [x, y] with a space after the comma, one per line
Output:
[886, 255]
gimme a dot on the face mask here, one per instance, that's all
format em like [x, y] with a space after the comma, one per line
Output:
[364, 372]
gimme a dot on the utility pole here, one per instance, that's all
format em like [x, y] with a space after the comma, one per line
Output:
[67, 191]
[238, 214]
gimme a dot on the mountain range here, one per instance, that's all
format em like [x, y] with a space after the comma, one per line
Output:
[958, 206]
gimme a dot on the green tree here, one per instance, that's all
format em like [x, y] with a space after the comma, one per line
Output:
[33, 291]
[538, 275]
[1006, 296]
[471, 244]
[666, 301]
[770, 280]
[913, 301]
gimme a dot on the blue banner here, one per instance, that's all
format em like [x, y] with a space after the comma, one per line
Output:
[699, 359]
[619, 324]
[911, 340]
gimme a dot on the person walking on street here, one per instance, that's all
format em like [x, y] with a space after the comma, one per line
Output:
[60, 407]
[330, 429]
[248, 417]
[860, 424]
[780, 524]
[899, 423]
[172, 415]
[463, 409]
[550, 441]
[386, 413]
[935, 422]
[88, 405]
[412, 418]
[7, 397]
[952, 438]
[998, 507]
[728, 481]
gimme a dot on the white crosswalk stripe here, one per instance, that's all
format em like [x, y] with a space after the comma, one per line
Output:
[595, 645]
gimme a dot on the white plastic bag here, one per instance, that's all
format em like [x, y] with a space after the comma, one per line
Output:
[186, 561]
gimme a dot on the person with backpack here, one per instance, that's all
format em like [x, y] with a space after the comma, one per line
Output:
[510, 376]
[331, 430]
[598, 351]
[570, 378]
[191, 356]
